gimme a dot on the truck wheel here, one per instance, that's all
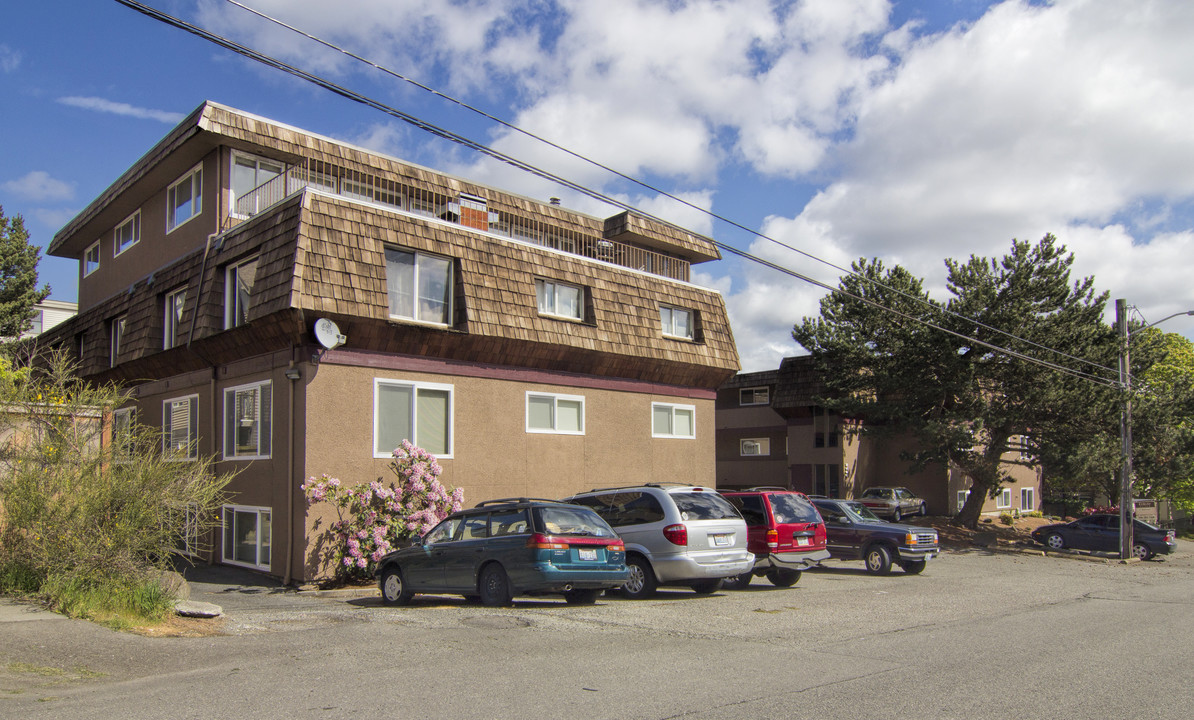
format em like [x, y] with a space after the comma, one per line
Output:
[878, 560]
[783, 577]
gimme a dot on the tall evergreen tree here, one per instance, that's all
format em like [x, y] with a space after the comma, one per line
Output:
[904, 367]
[18, 277]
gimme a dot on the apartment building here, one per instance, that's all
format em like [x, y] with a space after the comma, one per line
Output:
[536, 351]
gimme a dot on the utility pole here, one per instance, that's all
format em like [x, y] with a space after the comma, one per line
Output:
[1125, 433]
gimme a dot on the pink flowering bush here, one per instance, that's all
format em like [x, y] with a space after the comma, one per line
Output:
[373, 519]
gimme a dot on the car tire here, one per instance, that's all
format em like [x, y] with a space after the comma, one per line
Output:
[738, 582]
[896, 515]
[1053, 541]
[642, 582]
[914, 567]
[706, 587]
[494, 587]
[1140, 551]
[924, 510]
[394, 591]
[878, 560]
[783, 577]
[581, 597]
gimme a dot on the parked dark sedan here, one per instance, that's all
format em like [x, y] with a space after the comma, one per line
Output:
[1101, 532]
[503, 548]
[855, 533]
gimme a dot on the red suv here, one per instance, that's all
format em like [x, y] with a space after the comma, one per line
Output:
[784, 531]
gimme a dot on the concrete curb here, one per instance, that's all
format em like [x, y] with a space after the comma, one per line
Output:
[348, 593]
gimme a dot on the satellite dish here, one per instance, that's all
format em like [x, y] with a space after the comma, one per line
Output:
[328, 334]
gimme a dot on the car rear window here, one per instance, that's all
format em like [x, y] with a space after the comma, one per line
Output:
[877, 493]
[751, 507]
[624, 508]
[793, 509]
[703, 506]
[572, 521]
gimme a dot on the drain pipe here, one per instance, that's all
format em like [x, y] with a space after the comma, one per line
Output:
[293, 375]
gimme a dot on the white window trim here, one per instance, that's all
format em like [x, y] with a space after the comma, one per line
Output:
[580, 306]
[232, 168]
[224, 549]
[1031, 495]
[691, 322]
[1003, 499]
[230, 291]
[116, 338]
[188, 176]
[961, 498]
[450, 311]
[93, 246]
[766, 390]
[224, 421]
[117, 250]
[169, 320]
[193, 442]
[415, 387]
[555, 404]
[763, 446]
[673, 407]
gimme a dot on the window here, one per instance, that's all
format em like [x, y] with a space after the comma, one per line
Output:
[247, 422]
[561, 414]
[676, 322]
[754, 396]
[184, 199]
[624, 508]
[962, 495]
[751, 507]
[754, 446]
[238, 292]
[247, 536]
[122, 432]
[827, 480]
[1027, 500]
[173, 318]
[824, 428]
[180, 428]
[418, 412]
[419, 286]
[91, 258]
[248, 174]
[674, 421]
[127, 234]
[1003, 499]
[37, 322]
[116, 336]
[560, 299]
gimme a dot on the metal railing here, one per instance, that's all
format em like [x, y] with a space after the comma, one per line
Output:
[336, 180]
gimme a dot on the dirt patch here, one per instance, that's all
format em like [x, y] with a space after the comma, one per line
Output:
[988, 534]
[178, 626]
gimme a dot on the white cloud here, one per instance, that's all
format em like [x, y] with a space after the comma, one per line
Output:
[119, 108]
[385, 137]
[40, 187]
[10, 59]
[53, 218]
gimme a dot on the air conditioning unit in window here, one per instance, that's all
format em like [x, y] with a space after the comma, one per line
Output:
[751, 447]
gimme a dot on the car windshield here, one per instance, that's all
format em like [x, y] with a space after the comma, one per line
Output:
[703, 506]
[789, 508]
[861, 513]
[572, 521]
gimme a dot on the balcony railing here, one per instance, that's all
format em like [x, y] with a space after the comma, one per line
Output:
[466, 210]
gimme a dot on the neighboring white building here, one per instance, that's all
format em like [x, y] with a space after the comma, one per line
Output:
[49, 314]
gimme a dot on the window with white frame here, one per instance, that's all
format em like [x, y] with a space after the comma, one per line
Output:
[673, 421]
[961, 498]
[676, 322]
[184, 199]
[247, 416]
[247, 536]
[126, 235]
[560, 299]
[748, 447]
[238, 292]
[37, 322]
[419, 286]
[1003, 499]
[122, 431]
[91, 258]
[418, 412]
[249, 173]
[172, 322]
[559, 414]
[180, 428]
[1027, 499]
[754, 396]
[115, 337]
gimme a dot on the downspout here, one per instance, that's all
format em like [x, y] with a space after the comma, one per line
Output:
[293, 375]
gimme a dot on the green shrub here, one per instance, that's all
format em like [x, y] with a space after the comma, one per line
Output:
[1007, 518]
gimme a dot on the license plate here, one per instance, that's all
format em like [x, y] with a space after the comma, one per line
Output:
[802, 541]
[724, 540]
[587, 553]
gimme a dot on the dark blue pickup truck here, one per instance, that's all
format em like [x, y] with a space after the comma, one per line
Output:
[855, 533]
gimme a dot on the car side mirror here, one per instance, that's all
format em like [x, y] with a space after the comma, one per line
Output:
[841, 520]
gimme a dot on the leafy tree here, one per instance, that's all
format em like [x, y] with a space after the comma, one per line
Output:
[18, 277]
[889, 356]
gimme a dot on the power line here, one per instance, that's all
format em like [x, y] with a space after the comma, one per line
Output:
[650, 187]
[539, 172]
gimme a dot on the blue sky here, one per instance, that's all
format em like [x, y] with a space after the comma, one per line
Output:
[910, 131]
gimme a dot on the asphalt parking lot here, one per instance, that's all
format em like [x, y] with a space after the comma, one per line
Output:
[979, 634]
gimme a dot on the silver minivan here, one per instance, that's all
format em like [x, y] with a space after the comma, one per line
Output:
[674, 535]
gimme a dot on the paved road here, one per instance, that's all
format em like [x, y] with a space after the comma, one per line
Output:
[978, 635]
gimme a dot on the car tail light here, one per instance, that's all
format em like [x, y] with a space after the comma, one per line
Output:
[772, 539]
[616, 546]
[820, 537]
[538, 541]
[1170, 536]
[676, 534]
